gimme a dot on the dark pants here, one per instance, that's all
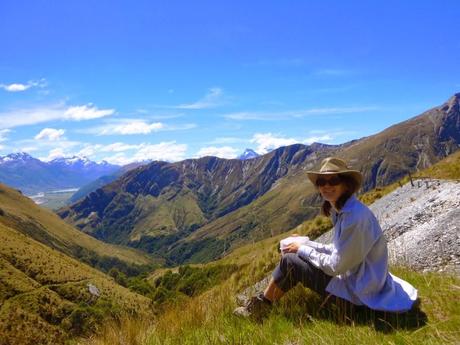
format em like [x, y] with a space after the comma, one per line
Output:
[292, 270]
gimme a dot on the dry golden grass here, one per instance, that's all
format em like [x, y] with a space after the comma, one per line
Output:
[40, 288]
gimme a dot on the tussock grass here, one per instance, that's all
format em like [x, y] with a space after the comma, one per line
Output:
[44, 297]
[298, 319]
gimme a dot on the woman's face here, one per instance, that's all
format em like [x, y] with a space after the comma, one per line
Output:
[331, 187]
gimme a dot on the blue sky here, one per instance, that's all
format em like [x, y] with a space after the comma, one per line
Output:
[170, 80]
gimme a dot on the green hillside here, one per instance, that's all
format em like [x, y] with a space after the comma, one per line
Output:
[45, 296]
[22, 214]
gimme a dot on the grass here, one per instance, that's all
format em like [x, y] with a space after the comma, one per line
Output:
[298, 319]
[44, 296]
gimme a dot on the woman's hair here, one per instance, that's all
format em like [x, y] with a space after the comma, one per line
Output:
[351, 186]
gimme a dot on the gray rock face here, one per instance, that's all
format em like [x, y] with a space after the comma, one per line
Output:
[421, 224]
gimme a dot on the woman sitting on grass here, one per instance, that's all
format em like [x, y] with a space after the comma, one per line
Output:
[354, 267]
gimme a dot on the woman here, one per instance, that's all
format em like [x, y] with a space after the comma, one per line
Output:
[354, 267]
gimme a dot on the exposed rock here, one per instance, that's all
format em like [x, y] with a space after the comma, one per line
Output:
[421, 224]
[93, 290]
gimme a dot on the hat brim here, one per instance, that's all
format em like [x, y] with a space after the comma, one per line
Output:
[355, 174]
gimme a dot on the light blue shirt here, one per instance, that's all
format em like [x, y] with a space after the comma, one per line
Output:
[358, 261]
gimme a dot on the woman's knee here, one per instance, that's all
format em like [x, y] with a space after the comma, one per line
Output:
[289, 262]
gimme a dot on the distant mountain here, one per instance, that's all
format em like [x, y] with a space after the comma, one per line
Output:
[102, 181]
[248, 154]
[197, 209]
[30, 175]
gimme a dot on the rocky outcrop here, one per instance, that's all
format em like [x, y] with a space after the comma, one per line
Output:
[421, 223]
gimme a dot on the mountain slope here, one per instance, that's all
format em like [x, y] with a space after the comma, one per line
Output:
[47, 297]
[198, 209]
[21, 214]
[101, 181]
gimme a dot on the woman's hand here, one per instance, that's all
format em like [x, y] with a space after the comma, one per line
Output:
[292, 248]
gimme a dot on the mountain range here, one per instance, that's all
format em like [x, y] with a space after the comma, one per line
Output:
[31, 175]
[196, 210]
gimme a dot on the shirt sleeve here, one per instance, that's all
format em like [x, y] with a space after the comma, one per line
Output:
[354, 240]
[320, 247]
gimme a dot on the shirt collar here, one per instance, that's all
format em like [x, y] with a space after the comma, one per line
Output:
[349, 204]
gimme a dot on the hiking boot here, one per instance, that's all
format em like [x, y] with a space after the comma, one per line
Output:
[257, 308]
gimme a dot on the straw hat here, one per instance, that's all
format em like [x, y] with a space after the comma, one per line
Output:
[332, 165]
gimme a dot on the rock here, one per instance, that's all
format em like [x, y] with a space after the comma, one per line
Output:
[93, 290]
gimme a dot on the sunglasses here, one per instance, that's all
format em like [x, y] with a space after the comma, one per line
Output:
[333, 181]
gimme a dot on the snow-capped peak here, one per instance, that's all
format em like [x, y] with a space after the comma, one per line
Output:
[72, 160]
[248, 154]
[17, 157]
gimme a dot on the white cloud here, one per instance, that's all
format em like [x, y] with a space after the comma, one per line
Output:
[19, 87]
[54, 148]
[169, 151]
[86, 112]
[131, 127]
[55, 153]
[164, 151]
[221, 152]
[3, 134]
[119, 147]
[275, 116]
[134, 126]
[211, 100]
[318, 139]
[15, 87]
[267, 142]
[50, 134]
[32, 116]
[89, 150]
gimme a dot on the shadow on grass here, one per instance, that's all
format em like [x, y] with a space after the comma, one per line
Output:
[301, 307]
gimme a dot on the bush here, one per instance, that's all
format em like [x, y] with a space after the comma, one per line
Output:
[189, 281]
[86, 318]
